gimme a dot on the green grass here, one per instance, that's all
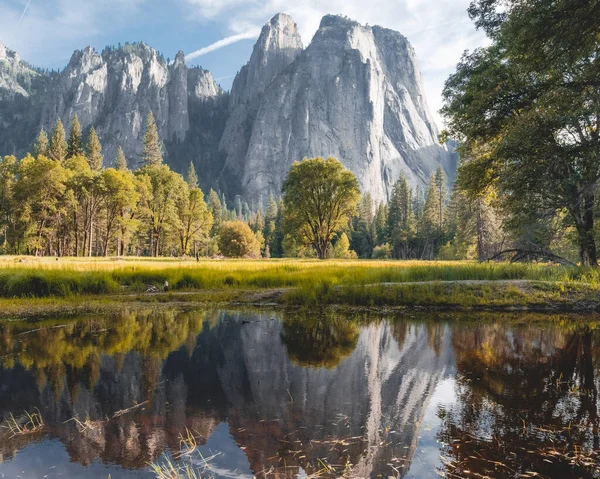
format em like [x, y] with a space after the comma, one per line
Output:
[22, 283]
[493, 295]
[305, 282]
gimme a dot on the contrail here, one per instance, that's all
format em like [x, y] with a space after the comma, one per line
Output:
[250, 34]
[24, 12]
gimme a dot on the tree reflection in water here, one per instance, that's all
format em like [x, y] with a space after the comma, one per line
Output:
[301, 392]
[527, 402]
[319, 341]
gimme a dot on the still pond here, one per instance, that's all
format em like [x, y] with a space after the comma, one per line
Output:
[255, 394]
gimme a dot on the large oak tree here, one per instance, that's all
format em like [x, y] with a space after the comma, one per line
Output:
[320, 197]
[526, 109]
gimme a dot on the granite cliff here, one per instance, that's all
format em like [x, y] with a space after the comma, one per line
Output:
[354, 92]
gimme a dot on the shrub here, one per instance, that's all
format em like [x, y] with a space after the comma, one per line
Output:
[341, 248]
[383, 251]
[236, 240]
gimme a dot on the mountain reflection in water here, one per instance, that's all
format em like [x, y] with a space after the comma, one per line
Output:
[277, 395]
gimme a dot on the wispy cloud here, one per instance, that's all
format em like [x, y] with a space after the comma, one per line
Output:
[59, 26]
[439, 30]
[249, 35]
[24, 12]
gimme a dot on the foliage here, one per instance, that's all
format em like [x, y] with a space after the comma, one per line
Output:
[525, 110]
[383, 251]
[57, 148]
[319, 342]
[320, 197]
[93, 151]
[120, 161]
[152, 148]
[236, 240]
[341, 248]
[75, 143]
[41, 144]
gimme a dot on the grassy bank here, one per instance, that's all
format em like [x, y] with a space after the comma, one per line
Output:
[66, 277]
[300, 282]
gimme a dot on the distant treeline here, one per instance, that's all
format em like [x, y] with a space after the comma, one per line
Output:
[60, 201]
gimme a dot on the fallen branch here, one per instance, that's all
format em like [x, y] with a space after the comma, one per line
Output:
[527, 255]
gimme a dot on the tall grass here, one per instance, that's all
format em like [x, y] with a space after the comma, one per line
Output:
[68, 277]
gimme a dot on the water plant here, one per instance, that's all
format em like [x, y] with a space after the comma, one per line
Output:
[29, 423]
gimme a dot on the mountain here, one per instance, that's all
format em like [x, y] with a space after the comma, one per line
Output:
[354, 93]
[114, 92]
[22, 92]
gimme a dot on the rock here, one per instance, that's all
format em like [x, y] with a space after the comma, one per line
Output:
[115, 91]
[278, 45]
[354, 93]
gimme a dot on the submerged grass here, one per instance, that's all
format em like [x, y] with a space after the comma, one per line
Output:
[28, 424]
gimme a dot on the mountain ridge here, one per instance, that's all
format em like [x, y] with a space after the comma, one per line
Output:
[354, 92]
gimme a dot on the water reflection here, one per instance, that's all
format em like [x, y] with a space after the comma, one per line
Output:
[278, 396]
[527, 402]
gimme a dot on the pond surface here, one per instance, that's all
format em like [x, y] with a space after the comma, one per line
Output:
[237, 394]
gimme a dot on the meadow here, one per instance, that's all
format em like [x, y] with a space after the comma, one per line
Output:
[43, 277]
[296, 282]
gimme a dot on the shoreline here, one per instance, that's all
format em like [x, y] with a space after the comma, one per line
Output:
[503, 296]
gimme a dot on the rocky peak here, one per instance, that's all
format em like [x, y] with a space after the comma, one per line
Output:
[179, 59]
[278, 45]
[355, 94]
[84, 61]
[16, 76]
[201, 85]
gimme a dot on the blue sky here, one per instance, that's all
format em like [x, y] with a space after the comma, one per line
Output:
[45, 32]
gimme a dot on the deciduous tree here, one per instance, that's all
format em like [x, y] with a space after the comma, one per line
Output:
[525, 109]
[320, 197]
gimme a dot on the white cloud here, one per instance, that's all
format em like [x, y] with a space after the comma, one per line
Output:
[439, 30]
[248, 35]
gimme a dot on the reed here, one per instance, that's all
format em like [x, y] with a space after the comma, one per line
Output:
[28, 424]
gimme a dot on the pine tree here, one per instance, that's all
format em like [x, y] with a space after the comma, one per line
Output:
[440, 183]
[120, 161]
[270, 217]
[94, 151]
[214, 205]
[276, 244]
[75, 143]
[238, 206]
[430, 232]
[400, 218]
[381, 224]
[192, 177]
[58, 144]
[418, 204]
[223, 204]
[40, 146]
[152, 152]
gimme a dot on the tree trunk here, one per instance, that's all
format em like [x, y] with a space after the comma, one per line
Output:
[91, 235]
[479, 221]
[152, 241]
[585, 232]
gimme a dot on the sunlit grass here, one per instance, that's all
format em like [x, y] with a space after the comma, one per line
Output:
[45, 277]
